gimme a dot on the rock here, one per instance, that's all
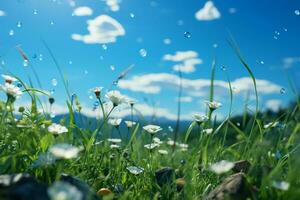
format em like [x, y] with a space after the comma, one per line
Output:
[22, 186]
[235, 187]
[164, 176]
[83, 187]
[241, 166]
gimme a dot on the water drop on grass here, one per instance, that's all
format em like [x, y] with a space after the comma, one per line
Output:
[54, 82]
[282, 91]
[143, 52]
[187, 34]
[297, 12]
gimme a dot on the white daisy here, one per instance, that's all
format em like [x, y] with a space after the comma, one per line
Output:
[64, 151]
[157, 140]
[11, 89]
[163, 152]
[57, 129]
[152, 129]
[115, 97]
[213, 105]
[115, 122]
[200, 118]
[8, 79]
[135, 170]
[114, 140]
[130, 124]
[151, 146]
[271, 125]
[207, 131]
[221, 167]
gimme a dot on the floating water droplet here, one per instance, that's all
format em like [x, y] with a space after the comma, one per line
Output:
[143, 52]
[91, 97]
[96, 104]
[262, 62]
[35, 11]
[167, 41]
[54, 82]
[104, 47]
[223, 68]
[52, 91]
[285, 29]
[19, 24]
[34, 56]
[101, 57]
[238, 124]
[52, 22]
[40, 57]
[132, 15]
[112, 68]
[52, 114]
[115, 83]
[86, 72]
[215, 46]
[187, 34]
[275, 37]
[282, 91]
[277, 33]
[11, 32]
[70, 62]
[25, 63]
[180, 22]
[297, 12]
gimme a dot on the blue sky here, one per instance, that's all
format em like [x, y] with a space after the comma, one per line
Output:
[267, 33]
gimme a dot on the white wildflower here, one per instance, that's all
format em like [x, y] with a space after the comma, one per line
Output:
[130, 124]
[221, 167]
[152, 129]
[114, 140]
[151, 146]
[208, 131]
[8, 79]
[11, 89]
[64, 191]
[64, 151]
[282, 185]
[135, 170]
[115, 122]
[163, 152]
[271, 125]
[213, 105]
[157, 140]
[200, 118]
[57, 129]
[115, 97]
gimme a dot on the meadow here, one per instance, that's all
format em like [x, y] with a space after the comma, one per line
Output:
[253, 156]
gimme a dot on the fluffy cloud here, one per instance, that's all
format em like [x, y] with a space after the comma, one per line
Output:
[154, 83]
[290, 61]
[103, 29]
[113, 5]
[83, 11]
[208, 12]
[2, 13]
[273, 104]
[188, 61]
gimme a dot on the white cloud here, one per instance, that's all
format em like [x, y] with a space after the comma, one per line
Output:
[83, 11]
[103, 29]
[113, 5]
[188, 59]
[2, 13]
[273, 104]
[208, 12]
[154, 83]
[290, 61]
[186, 99]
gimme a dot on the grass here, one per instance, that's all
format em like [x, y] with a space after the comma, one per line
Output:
[272, 151]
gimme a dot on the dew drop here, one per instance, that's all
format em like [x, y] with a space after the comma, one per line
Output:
[25, 63]
[11, 32]
[297, 12]
[187, 34]
[115, 83]
[19, 24]
[54, 82]
[282, 91]
[143, 52]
